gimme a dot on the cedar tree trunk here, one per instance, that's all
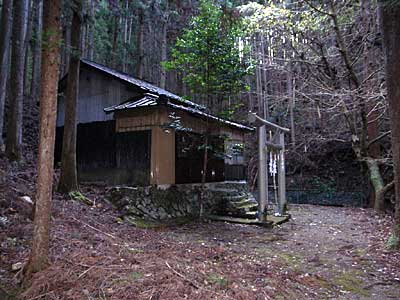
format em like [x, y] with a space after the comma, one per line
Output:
[39, 256]
[164, 45]
[14, 129]
[390, 16]
[5, 35]
[36, 57]
[68, 178]
[139, 45]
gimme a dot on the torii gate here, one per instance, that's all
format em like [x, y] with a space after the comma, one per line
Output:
[277, 143]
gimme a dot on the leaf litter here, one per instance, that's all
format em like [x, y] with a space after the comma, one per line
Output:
[322, 253]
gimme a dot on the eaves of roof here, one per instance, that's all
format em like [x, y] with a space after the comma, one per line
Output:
[153, 100]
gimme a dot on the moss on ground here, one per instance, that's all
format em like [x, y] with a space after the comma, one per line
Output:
[7, 295]
[349, 281]
[150, 224]
[217, 279]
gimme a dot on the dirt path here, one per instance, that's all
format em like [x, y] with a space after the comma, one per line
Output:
[322, 253]
[342, 247]
[339, 249]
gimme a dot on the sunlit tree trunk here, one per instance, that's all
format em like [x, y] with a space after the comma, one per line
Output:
[39, 256]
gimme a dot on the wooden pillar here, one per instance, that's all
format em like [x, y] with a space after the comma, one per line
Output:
[281, 175]
[262, 174]
[162, 156]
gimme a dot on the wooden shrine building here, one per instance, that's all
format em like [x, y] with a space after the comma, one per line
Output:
[132, 132]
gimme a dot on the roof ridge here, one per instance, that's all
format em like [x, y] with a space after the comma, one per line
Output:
[147, 86]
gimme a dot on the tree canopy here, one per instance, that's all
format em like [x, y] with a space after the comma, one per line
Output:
[210, 52]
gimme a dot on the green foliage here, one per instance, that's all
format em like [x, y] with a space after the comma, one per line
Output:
[210, 54]
[78, 196]
[323, 186]
[107, 22]
[289, 24]
[217, 279]
[393, 242]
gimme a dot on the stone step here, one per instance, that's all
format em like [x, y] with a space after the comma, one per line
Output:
[232, 184]
[271, 220]
[252, 214]
[243, 212]
[240, 220]
[236, 196]
[247, 207]
[239, 195]
[241, 205]
[225, 192]
[243, 202]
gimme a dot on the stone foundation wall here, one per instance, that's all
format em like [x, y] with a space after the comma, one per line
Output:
[167, 202]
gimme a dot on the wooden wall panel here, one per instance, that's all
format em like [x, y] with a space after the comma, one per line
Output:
[138, 119]
[96, 92]
[133, 155]
[162, 156]
[95, 147]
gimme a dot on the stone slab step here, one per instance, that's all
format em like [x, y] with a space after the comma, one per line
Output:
[225, 191]
[267, 224]
[241, 214]
[271, 220]
[246, 206]
[235, 198]
[243, 203]
[231, 184]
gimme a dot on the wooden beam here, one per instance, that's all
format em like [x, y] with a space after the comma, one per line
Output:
[253, 118]
[272, 145]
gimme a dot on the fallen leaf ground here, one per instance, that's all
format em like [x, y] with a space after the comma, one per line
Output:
[322, 253]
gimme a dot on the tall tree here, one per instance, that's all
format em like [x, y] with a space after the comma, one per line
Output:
[390, 16]
[14, 129]
[139, 44]
[5, 35]
[90, 29]
[27, 46]
[36, 57]
[164, 14]
[208, 55]
[68, 178]
[39, 256]
[332, 73]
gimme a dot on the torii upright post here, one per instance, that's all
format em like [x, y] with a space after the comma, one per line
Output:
[263, 145]
[262, 174]
[282, 175]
